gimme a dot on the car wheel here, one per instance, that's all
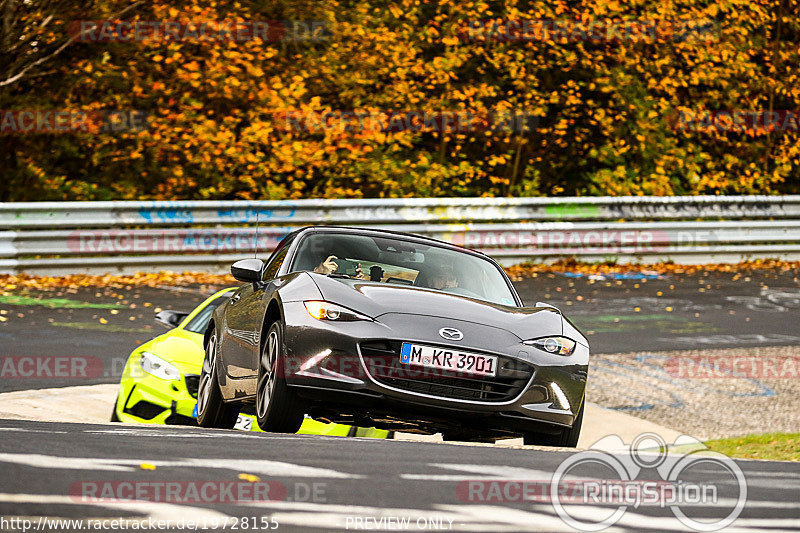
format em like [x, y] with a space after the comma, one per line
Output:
[114, 417]
[278, 409]
[212, 412]
[566, 438]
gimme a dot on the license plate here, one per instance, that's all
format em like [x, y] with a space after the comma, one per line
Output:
[244, 423]
[448, 359]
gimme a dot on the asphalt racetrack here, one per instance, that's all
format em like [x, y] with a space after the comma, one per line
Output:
[672, 312]
[330, 483]
[58, 470]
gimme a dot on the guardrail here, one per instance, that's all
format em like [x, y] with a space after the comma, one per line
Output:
[51, 237]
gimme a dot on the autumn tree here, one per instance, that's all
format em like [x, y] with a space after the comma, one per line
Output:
[240, 118]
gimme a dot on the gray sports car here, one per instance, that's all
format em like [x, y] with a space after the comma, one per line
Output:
[395, 331]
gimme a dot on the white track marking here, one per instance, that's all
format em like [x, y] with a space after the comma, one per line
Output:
[125, 432]
[24, 430]
[464, 517]
[260, 466]
[632, 520]
[467, 517]
[253, 466]
[66, 463]
[448, 477]
[210, 434]
[482, 472]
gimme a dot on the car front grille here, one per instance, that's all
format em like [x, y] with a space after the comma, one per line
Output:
[192, 383]
[382, 359]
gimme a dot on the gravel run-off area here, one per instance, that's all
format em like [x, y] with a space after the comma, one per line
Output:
[704, 393]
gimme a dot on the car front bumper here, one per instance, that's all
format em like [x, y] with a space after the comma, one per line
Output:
[326, 363]
[144, 398]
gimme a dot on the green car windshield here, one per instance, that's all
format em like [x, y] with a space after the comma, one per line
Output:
[199, 323]
[394, 260]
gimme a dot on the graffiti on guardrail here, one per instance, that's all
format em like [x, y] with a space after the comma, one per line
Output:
[250, 215]
[692, 208]
[514, 229]
[173, 213]
[572, 211]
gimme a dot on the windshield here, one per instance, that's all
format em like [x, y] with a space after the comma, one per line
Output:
[394, 260]
[199, 323]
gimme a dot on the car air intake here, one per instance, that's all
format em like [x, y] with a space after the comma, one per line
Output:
[192, 383]
[144, 409]
[382, 359]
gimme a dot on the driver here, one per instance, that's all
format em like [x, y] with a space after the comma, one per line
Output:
[329, 266]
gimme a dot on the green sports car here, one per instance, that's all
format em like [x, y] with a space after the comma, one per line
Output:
[160, 379]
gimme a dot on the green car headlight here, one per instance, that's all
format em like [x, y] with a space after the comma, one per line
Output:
[155, 366]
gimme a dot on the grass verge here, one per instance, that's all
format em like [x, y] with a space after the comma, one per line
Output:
[769, 446]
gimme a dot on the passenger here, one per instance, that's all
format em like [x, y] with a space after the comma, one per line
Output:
[442, 277]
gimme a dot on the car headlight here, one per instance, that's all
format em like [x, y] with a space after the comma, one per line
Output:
[322, 310]
[554, 345]
[154, 365]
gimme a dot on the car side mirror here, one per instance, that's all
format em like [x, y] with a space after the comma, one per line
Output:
[248, 270]
[548, 306]
[170, 319]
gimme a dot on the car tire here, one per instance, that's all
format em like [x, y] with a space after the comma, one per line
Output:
[566, 438]
[212, 411]
[278, 409]
[114, 417]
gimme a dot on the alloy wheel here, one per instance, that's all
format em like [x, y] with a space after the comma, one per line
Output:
[206, 376]
[266, 380]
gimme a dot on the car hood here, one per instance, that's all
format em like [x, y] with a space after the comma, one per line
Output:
[178, 346]
[376, 299]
